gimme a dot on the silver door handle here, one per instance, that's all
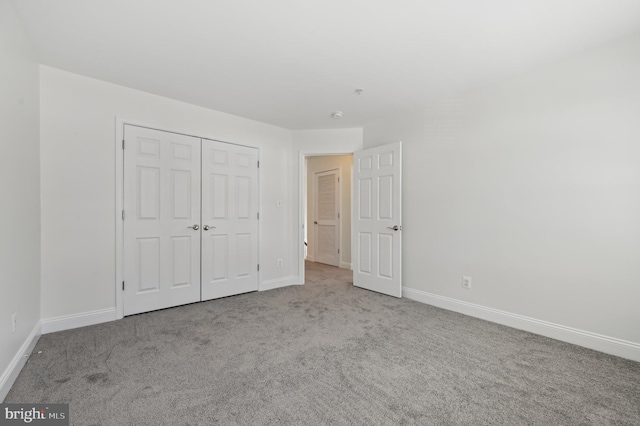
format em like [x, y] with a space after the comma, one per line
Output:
[207, 227]
[195, 227]
[395, 228]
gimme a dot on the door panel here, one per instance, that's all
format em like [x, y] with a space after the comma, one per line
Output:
[377, 226]
[161, 202]
[327, 225]
[181, 260]
[229, 208]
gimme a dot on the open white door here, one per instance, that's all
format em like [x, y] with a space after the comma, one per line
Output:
[162, 219]
[229, 219]
[377, 219]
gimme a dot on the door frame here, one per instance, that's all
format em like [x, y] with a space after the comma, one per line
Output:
[119, 201]
[302, 201]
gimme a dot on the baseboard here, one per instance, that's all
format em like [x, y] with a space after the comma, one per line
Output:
[67, 322]
[598, 342]
[278, 282]
[19, 360]
[345, 265]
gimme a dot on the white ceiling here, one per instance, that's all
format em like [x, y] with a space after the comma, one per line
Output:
[292, 63]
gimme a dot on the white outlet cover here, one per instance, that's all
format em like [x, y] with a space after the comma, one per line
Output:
[466, 281]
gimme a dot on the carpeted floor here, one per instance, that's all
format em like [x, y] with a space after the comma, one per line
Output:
[324, 353]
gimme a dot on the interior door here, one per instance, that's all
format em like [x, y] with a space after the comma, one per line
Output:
[161, 219]
[229, 219]
[326, 222]
[377, 219]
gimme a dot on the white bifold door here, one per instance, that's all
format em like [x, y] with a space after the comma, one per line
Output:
[377, 219]
[172, 255]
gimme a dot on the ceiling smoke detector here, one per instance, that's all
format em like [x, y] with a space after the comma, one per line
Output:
[337, 115]
[359, 91]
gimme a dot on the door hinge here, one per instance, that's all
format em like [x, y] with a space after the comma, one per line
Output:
[338, 215]
[258, 215]
[122, 214]
[258, 163]
[338, 180]
[122, 143]
[258, 266]
[122, 285]
[338, 251]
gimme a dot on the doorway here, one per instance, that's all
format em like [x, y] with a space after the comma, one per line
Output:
[327, 201]
[376, 221]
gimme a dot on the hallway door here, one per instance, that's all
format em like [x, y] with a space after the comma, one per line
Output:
[326, 222]
[377, 220]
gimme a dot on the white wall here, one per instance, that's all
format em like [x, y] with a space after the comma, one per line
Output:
[316, 164]
[327, 141]
[78, 178]
[531, 186]
[19, 192]
[306, 142]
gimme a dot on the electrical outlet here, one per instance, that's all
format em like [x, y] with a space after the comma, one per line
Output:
[466, 282]
[13, 322]
[280, 263]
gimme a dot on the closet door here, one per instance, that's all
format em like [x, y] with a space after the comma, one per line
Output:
[162, 219]
[229, 219]
[327, 224]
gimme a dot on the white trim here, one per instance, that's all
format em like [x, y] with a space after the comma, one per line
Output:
[118, 217]
[351, 209]
[598, 342]
[67, 322]
[345, 265]
[279, 282]
[10, 374]
[302, 211]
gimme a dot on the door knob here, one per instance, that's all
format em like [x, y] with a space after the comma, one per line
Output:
[395, 228]
[315, 222]
[195, 227]
[207, 227]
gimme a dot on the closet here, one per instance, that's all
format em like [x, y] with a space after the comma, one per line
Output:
[190, 225]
